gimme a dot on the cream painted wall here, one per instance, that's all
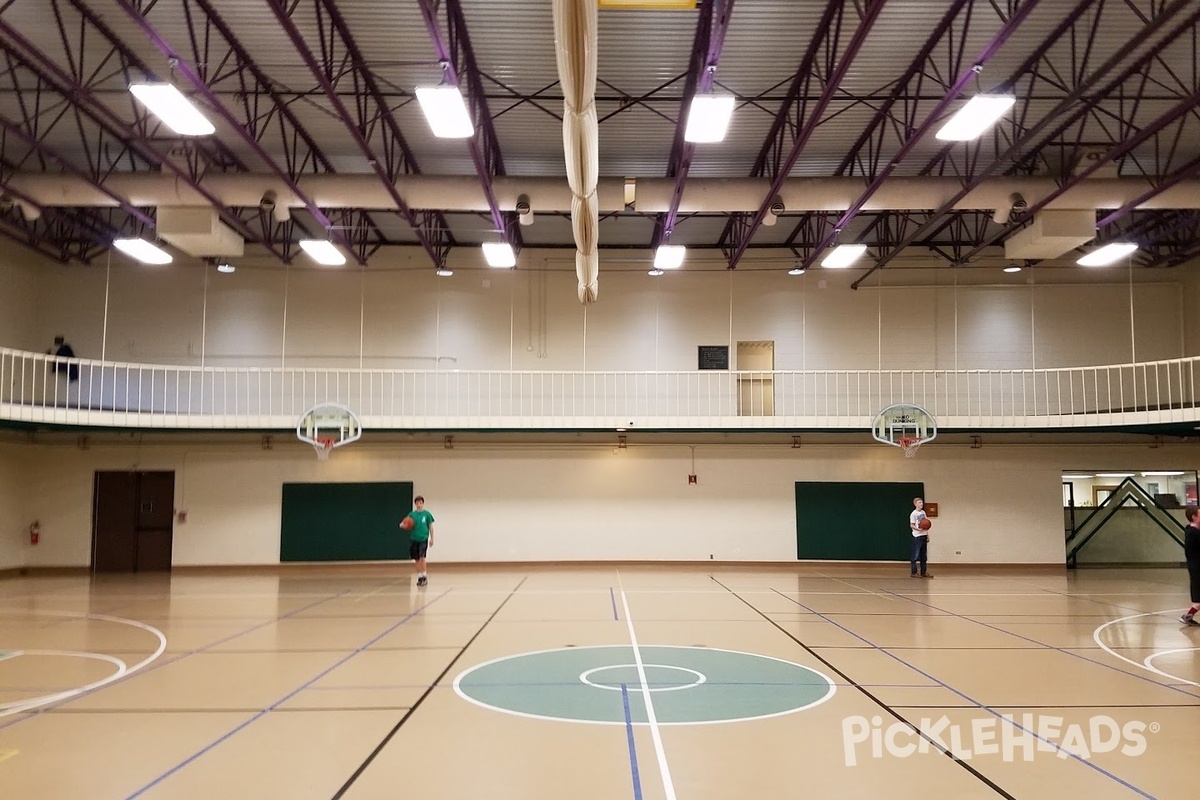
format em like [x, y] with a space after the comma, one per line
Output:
[19, 300]
[14, 514]
[398, 314]
[530, 503]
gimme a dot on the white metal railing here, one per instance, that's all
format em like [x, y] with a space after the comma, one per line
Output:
[37, 387]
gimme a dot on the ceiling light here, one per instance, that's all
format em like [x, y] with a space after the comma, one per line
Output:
[1163, 474]
[176, 111]
[844, 255]
[708, 118]
[143, 251]
[1012, 269]
[980, 113]
[1114, 474]
[1109, 254]
[1076, 477]
[796, 271]
[323, 252]
[499, 254]
[669, 256]
[446, 112]
[655, 272]
[444, 273]
[226, 268]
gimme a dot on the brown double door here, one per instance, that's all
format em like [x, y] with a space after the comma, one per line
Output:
[132, 521]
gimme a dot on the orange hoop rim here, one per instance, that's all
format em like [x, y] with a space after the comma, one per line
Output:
[909, 444]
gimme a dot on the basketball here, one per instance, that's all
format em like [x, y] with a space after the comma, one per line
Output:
[407, 523]
[924, 524]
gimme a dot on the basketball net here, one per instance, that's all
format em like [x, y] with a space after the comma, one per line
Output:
[910, 444]
[324, 447]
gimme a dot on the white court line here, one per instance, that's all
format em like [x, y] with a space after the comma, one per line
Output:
[122, 672]
[121, 666]
[1146, 665]
[651, 719]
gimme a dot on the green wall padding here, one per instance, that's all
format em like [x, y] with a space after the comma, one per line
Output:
[855, 521]
[344, 521]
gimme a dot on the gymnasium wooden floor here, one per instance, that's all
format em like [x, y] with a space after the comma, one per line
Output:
[638, 682]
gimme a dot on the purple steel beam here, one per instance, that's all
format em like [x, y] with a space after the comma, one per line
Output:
[437, 250]
[1064, 114]
[1186, 172]
[484, 146]
[915, 70]
[184, 68]
[1021, 13]
[50, 73]
[16, 130]
[773, 144]
[1182, 109]
[832, 87]
[706, 53]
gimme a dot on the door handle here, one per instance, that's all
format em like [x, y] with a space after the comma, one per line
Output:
[147, 507]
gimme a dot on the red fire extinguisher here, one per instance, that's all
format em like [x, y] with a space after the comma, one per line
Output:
[35, 532]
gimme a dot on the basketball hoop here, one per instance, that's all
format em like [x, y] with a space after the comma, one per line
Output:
[909, 444]
[905, 426]
[324, 446]
[326, 426]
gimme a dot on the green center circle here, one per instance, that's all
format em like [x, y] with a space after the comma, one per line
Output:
[603, 685]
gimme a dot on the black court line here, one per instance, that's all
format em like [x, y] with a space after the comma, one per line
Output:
[889, 709]
[408, 714]
[1064, 650]
[983, 707]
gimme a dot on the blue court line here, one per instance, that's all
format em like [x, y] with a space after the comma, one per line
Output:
[613, 595]
[633, 767]
[280, 701]
[162, 663]
[1113, 667]
[973, 701]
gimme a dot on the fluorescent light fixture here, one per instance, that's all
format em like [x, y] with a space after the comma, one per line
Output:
[669, 256]
[143, 251]
[323, 252]
[654, 273]
[446, 112]
[445, 273]
[226, 268]
[708, 119]
[1109, 254]
[1012, 269]
[499, 254]
[1163, 474]
[1076, 477]
[176, 111]
[796, 271]
[1114, 474]
[844, 255]
[980, 113]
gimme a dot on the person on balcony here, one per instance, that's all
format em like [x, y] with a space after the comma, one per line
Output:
[63, 350]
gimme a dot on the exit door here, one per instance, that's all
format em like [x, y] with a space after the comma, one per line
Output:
[756, 384]
[132, 516]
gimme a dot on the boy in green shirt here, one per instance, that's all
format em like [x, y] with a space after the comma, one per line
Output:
[420, 537]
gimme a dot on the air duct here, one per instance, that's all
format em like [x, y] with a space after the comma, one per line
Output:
[575, 49]
[550, 194]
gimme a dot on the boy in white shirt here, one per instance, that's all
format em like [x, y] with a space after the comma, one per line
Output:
[920, 543]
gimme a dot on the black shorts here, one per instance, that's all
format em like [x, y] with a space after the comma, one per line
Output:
[418, 550]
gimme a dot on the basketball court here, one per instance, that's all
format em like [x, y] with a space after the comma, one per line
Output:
[599, 682]
[688, 317]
